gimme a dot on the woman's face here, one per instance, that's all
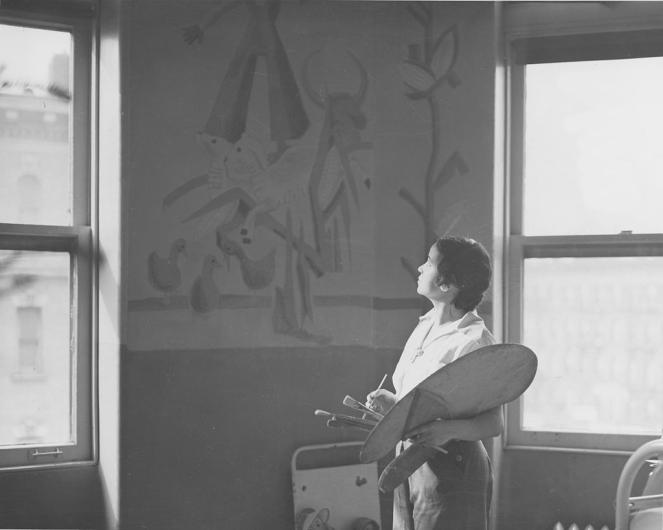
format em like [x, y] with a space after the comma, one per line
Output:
[428, 284]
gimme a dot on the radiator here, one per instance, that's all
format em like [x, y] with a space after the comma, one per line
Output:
[574, 526]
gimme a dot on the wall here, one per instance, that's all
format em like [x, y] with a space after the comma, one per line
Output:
[222, 373]
[210, 433]
[55, 498]
[540, 488]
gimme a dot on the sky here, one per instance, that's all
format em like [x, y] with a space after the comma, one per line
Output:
[593, 157]
[26, 52]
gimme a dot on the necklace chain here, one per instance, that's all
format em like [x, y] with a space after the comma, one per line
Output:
[420, 350]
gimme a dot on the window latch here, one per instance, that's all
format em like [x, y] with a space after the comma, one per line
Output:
[56, 452]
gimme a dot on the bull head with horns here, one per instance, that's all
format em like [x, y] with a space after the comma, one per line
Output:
[343, 115]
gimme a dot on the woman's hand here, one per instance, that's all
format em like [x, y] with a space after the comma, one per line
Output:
[435, 433]
[380, 400]
[438, 432]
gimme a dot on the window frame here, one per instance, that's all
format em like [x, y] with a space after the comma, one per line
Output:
[78, 239]
[521, 51]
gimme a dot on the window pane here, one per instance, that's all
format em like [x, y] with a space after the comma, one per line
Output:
[592, 147]
[35, 353]
[35, 111]
[596, 325]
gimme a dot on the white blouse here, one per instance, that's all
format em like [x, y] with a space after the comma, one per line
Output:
[433, 345]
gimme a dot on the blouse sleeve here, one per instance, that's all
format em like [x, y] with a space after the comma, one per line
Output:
[486, 339]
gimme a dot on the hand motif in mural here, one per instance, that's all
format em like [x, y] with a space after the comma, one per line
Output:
[429, 67]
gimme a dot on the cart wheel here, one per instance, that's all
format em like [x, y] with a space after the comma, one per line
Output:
[364, 523]
[303, 517]
[310, 519]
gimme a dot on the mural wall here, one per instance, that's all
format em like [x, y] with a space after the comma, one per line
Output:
[286, 165]
[258, 134]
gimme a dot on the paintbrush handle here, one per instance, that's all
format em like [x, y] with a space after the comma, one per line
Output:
[367, 422]
[351, 402]
[382, 382]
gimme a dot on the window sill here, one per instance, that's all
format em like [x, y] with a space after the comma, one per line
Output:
[576, 450]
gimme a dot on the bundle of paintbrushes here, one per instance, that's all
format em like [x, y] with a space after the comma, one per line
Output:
[365, 422]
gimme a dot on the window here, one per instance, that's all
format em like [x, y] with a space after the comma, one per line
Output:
[585, 257]
[46, 235]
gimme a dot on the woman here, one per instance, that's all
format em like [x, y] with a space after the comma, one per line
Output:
[452, 490]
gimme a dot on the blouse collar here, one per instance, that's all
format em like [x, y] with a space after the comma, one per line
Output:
[469, 318]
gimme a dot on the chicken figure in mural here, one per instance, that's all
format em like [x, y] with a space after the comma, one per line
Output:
[256, 273]
[164, 272]
[228, 117]
[204, 292]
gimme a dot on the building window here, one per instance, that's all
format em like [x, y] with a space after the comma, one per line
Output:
[47, 314]
[30, 336]
[29, 198]
[585, 260]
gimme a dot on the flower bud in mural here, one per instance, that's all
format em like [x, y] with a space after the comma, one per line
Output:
[421, 78]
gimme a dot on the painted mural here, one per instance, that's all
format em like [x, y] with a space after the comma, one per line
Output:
[277, 224]
[428, 69]
[281, 198]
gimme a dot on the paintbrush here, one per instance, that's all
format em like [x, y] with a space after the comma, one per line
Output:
[384, 378]
[359, 421]
[333, 422]
[382, 382]
[351, 402]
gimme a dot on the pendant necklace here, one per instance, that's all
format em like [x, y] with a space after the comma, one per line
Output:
[420, 350]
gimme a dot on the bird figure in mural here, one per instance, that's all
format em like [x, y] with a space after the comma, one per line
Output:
[164, 273]
[257, 273]
[204, 292]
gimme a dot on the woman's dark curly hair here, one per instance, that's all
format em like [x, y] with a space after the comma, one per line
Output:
[465, 263]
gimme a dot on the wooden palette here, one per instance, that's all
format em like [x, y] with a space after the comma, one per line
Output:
[480, 380]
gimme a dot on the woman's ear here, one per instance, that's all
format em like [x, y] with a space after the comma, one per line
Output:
[444, 287]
